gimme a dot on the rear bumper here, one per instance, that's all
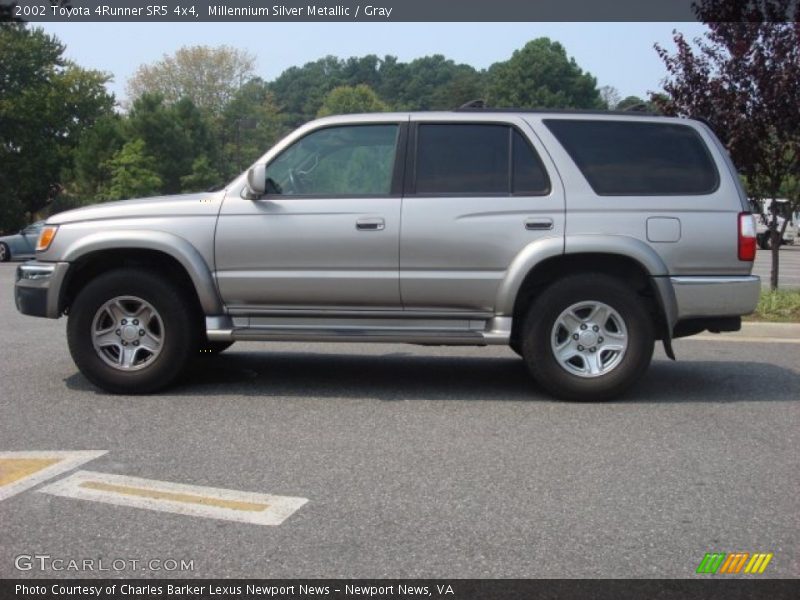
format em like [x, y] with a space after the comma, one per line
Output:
[715, 296]
[37, 291]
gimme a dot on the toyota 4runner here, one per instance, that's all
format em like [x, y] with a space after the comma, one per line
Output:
[577, 239]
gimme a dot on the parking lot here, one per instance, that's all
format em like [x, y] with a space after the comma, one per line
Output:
[788, 270]
[415, 462]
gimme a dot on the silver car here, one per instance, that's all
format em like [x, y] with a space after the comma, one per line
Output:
[21, 245]
[577, 239]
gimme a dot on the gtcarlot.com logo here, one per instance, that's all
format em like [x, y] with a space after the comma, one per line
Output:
[46, 562]
[734, 563]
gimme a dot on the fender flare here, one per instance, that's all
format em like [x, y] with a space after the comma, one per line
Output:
[628, 247]
[175, 246]
[531, 255]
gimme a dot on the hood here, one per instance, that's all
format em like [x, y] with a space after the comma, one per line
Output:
[181, 205]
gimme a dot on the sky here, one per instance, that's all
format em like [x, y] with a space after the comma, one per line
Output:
[617, 54]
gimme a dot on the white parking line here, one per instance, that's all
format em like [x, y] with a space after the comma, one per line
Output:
[21, 470]
[164, 496]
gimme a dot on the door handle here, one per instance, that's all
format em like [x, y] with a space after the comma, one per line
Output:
[538, 224]
[371, 224]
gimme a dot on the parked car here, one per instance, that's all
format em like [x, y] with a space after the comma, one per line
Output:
[20, 245]
[763, 211]
[577, 239]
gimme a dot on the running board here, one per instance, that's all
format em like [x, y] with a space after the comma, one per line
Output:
[494, 331]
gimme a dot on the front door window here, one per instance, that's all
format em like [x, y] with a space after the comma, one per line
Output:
[347, 161]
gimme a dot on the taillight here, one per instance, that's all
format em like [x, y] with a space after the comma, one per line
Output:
[747, 236]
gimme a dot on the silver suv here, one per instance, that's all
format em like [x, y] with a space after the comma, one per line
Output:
[577, 239]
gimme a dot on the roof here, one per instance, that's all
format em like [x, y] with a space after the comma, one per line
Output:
[560, 111]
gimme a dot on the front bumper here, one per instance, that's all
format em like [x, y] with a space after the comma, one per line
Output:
[37, 291]
[715, 296]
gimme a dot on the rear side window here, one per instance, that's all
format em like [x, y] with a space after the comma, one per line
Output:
[624, 158]
[469, 159]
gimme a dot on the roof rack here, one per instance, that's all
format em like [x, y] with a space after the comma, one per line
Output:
[477, 103]
[559, 111]
[640, 107]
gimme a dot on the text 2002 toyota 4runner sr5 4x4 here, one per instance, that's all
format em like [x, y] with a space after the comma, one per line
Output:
[575, 238]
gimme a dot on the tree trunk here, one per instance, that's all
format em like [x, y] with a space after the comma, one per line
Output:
[775, 237]
[775, 246]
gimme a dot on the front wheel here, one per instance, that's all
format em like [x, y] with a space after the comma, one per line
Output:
[588, 337]
[129, 331]
[5, 252]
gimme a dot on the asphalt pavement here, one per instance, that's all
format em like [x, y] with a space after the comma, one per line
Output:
[788, 266]
[414, 461]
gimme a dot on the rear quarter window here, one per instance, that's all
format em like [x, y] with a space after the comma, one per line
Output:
[624, 158]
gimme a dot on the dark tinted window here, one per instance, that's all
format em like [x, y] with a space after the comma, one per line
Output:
[628, 158]
[476, 159]
[468, 159]
[529, 174]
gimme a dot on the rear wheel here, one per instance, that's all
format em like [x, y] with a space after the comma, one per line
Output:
[588, 337]
[129, 331]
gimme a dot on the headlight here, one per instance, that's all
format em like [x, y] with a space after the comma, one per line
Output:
[46, 237]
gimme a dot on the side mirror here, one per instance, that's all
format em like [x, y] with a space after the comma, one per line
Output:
[256, 181]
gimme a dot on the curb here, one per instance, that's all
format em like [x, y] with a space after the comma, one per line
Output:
[770, 330]
[756, 332]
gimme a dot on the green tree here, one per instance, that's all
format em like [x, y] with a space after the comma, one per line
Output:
[96, 146]
[301, 90]
[429, 83]
[45, 102]
[173, 135]
[251, 123]
[541, 75]
[347, 100]
[208, 76]
[202, 177]
[465, 85]
[364, 69]
[133, 173]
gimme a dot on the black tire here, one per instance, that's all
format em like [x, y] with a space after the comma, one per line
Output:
[180, 336]
[213, 348]
[5, 252]
[764, 242]
[541, 320]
